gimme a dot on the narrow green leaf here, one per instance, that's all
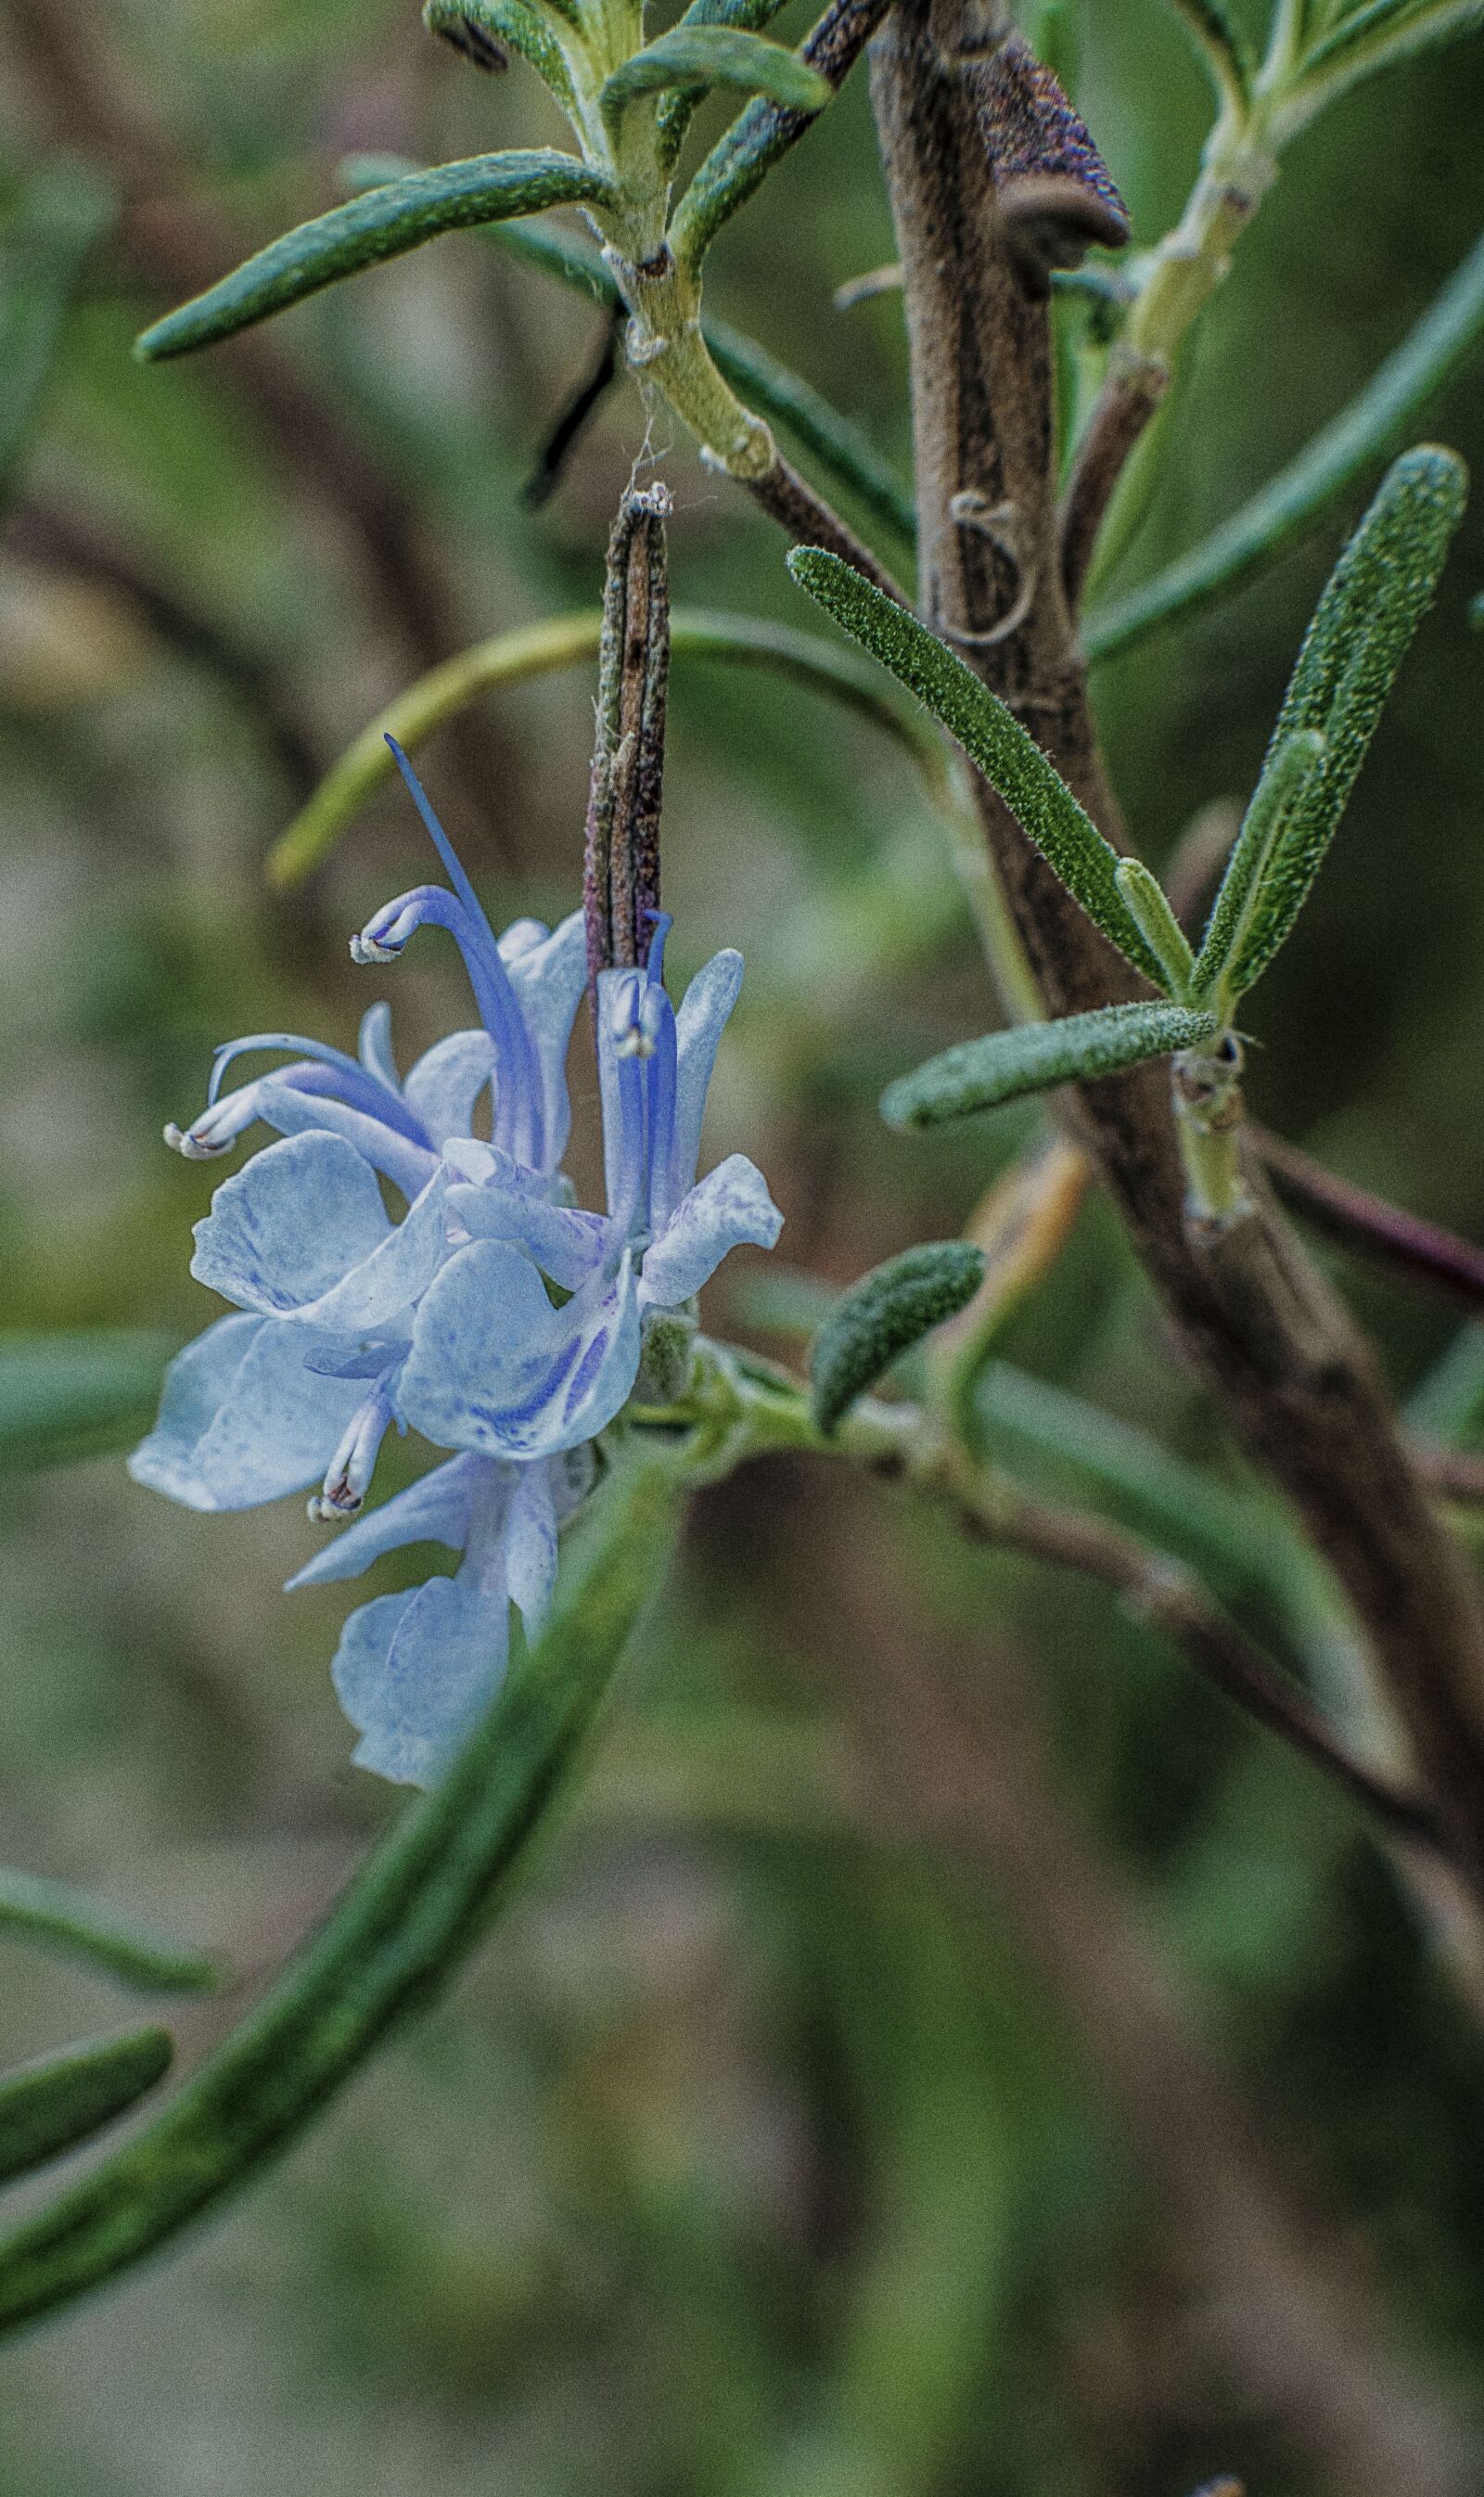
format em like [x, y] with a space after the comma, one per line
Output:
[882, 1317]
[764, 132]
[672, 119]
[422, 1900]
[512, 25]
[59, 2100]
[68, 1396]
[1290, 764]
[1031, 1057]
[1368, 40]
[66, 1919]
[1146, 897]
[1292, 501]
[702, 57]
[61, 214]
[394, 218]
[991, 735]
[1223, 46]
[1363, 627]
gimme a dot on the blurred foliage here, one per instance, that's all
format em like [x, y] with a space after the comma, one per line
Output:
[758, 2154]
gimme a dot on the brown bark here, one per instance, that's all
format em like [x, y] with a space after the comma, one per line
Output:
[1298, 1382]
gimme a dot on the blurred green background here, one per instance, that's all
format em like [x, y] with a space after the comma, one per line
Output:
[785, 2141]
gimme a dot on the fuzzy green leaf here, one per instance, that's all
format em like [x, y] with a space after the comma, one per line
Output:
[422, 1898]
[68, 1396]
[672, 119]
[700, 57]
[60, 1917]
[1295, 499]
[992, 737]
[1361, 630]
[1032, 1057]
[1291, 763]
[49, 2106]
[1149, 902]
[394, 218]
[764, 132]
[882, 1317]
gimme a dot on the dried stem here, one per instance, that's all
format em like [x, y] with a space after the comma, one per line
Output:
[1297, 1381]
[621, 872]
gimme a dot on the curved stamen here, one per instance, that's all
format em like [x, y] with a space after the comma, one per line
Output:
[518, 1108]
[357, 1085]
[661, 922]
[351, 1468]
[283, 1101]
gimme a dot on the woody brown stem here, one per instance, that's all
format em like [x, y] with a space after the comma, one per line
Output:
[789, 500]
[1298, 1383]
[1129, 397]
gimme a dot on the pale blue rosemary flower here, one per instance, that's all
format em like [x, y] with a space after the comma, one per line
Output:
[493, 1315]
[493, 1365]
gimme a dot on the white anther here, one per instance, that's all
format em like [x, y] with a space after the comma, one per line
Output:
[191, 1147]
[365, 949]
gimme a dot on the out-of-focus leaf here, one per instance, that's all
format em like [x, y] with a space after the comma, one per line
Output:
[883, 1315]
[1030, 1056]
[68, 1396]
[67, 1919]
[992, 737]
[1223, 46]
[1368, 40]
[1292, 501]
[418, 1905]
[49, 2105]
[62, 212]
[394, 218]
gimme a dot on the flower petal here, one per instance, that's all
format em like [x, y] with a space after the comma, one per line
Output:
[301, 1233]
[244, 1419]
[731, 1205]
[288, 1227]
[530, 1541]
[549, 974]
[413, 1672]
[493, 1366]
[699, 1024]
[434, 1510]
[299, 1109]
[447, 1081]
[565, 1243]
